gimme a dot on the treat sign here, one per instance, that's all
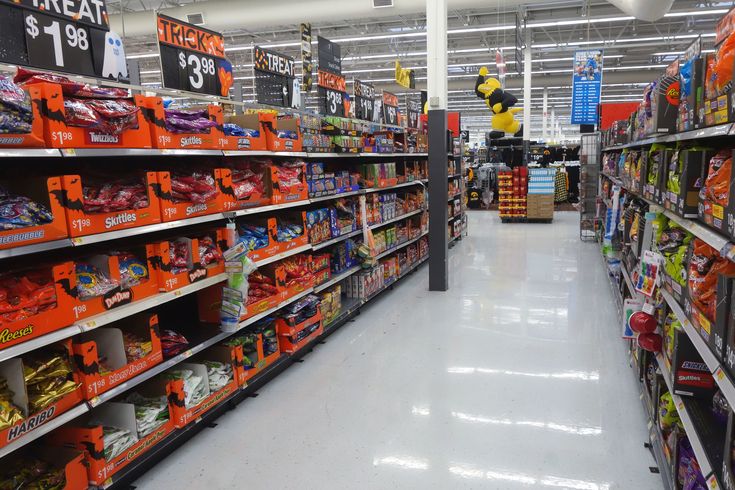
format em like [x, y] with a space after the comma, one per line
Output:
[275, 82]
[192, 58]
[364, 100]
[331, 83]
[413, 111]
[390, 108]
[70, 36]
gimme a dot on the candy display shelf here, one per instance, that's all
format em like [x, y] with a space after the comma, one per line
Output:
[136, 152]
[400, 246]
[397, 218]
[709, 132]
[321, 245]
[337, 278]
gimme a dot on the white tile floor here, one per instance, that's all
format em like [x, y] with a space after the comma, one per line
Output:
[514, 379]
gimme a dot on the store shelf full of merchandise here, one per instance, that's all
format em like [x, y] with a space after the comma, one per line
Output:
[73, 246]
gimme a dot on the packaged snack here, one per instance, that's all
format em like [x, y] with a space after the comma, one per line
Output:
[196, 187]
[219, 375]
[24, 472]
[69, 87]
[48, 377]
[209, 253]
[102, 196]
[133, 271]
[179, 256]
[20, 212]
[16, 115]
[9, 413]
[195, 387]
[668, 416]
[705, 265]
[150, 412]
[24, 295]
[173, 343]
[92, 282]
[716, 186]
[192, 121]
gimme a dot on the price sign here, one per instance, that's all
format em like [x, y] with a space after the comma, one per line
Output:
[413, 111]
[390, 108]
[275, 82]
[331, 93]
[330, 56]
[331, 102]
[71, 36]
[364, 100]
[193, 58]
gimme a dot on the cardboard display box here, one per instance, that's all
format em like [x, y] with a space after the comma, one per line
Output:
[685, 170]
[228, 198]
[691, 376]
[123, 294]
[282, 134]
[36, 138]
[255, 139]
[720, 216]
[290, 340]
[163, 138]
[173, 210]
[168, 279]
[81, 223]
[106, 345]
[64, 287]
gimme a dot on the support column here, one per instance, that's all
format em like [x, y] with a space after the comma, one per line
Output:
[552, 125]
[527, 96]
[436, 44]
[545, 115]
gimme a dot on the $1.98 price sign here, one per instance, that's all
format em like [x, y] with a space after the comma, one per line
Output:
[364, 100]
[193, 58]
[390, 108]
[67, 36]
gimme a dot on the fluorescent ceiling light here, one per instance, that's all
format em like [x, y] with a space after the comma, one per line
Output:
[697, 12]
[142, 55]
[579, 21]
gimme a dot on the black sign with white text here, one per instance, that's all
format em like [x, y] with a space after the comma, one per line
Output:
[413, 111]
[275, 82]
[364, 100]
[70, 36]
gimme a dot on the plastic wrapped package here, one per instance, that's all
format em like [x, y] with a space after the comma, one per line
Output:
[208, 251]
[196, 187]
[16, 115]
[92, 282]
[705, 265]
[47, 374]
[716, 186]
[69, 87]
[150, 412]
[23, 295]
[133, 271]
[28, 472]
[188, 121]
[173, 343]
[219, 375]
[21, 212]
[195, 387]
[178, 254]
[289, 175]
[105, 196]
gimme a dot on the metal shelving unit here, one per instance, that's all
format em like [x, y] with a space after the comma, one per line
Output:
[589, 160]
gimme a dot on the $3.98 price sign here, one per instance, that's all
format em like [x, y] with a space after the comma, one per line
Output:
[332, 101]
[193, 58]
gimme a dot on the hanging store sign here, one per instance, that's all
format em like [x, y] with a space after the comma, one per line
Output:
[72, 36]
[413, 113]
[364, 100]
[390, 108]
[331, 89]
[275, 81]
[307, 65]
[192, 58]
[586, 86]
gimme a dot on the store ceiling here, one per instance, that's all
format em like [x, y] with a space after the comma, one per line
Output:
[635, 51]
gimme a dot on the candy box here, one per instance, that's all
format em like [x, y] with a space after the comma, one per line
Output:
[26, 196]
[243, 369]
[288, 183]
[322, 276]
[183, 414]
[293, 275]
[58, 134]
[37, 289]
[82, 222]
[104, 359]
[282, 134]
[293, 337]
[87, 432]
[319, 262]
[105, 282]
[259, 236]
[12, 370]
[36, 138]
[42, 467]
[317, 225]
[654, 178]
[237, 194]
[161, 137]
[177, 192]
[185, 261]
[253, 138]
[683, 180]
[291, 231]
[691, 376]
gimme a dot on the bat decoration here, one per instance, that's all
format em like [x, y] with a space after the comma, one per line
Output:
[90, 448]
[150, 115]
[93, 368]
[62, 196]
[48, 113]
[66, 287]
[157, 263]
[158, 192]
[226, 190]
[173, 399]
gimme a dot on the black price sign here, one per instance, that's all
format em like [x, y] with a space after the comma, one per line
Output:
[70, 36]
[330, 56]
[193, 58]
[331, 102]
[275, 82]
[364, 100]
[390, 109]
[413, 111]
[306, 62]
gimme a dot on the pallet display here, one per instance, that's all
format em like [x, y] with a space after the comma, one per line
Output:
[129, 299]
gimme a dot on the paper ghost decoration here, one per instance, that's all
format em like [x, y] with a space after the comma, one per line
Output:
[114, 64]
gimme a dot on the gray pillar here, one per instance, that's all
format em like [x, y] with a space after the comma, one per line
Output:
[438, 192]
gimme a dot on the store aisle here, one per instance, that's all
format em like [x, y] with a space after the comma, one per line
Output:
[515, 378]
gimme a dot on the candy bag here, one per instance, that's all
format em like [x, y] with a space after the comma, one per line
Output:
[92, 282]
[716, 186]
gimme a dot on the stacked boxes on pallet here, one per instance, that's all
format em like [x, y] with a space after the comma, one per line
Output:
[512, 189]
[541, 193]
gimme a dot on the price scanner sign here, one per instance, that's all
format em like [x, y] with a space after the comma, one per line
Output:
[70, 36]
[193, 58]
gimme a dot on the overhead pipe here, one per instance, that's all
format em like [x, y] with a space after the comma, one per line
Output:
[648, 10]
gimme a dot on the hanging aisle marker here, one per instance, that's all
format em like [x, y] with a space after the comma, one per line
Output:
[331, 84]
[391, 113]
[192, 58]
[275, 82]
[307, 66]
[413, 112]
[72, 36]
[586, 86]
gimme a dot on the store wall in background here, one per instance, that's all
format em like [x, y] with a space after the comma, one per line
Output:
[618, 111]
